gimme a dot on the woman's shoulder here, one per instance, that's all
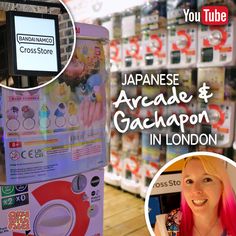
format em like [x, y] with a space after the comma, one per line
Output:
[173, 220]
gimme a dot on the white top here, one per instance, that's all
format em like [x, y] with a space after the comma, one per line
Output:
[91, 31]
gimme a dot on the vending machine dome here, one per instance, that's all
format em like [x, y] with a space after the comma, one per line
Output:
[61, 129]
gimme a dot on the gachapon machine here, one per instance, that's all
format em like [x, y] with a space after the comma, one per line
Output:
[131, 162]
[154, 34]
[131, 40]
[151, 92]
[113, 170]
[222, 119]
[154, 48]
[153, 158]
[182, 37]
[182, 46]
[215, 79]
[220, 109]
[113, 24]
[131, 173]
[187, 80]
[216, 45]
[54, 146]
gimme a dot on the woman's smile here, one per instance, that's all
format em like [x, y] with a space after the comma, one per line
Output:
[199, 203]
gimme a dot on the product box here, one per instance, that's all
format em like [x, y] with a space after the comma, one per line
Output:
[68, 206]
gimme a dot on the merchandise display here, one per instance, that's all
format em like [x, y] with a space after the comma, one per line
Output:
[166, 44]
[149, 81]
[54, 147]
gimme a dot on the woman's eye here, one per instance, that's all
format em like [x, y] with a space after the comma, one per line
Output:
[206, 180]
[188, 181]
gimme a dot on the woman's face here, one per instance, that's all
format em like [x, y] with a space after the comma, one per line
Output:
[201, 190]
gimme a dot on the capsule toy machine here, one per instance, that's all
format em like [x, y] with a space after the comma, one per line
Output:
[182, 37]
[153, 158]
[54, 147]
[188, 84]
[114, 167]
[115, 86]
[221, 116]
[154, 35]
[220, 109]
[151, 92]
[216, 45]
[131, 173]
[182, 46]
[68, 206]
[131, 166]
[132, 90]
[113, 170]
[113, 24]
[131, 40]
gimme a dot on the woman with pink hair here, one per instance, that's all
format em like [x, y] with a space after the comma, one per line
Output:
[208, 203]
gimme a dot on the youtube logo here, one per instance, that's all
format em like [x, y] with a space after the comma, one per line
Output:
[209, 15]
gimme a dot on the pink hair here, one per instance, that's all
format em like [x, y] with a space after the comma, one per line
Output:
[227, 205]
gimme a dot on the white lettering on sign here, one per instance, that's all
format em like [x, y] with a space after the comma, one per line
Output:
[35, 39]
[167, 183]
